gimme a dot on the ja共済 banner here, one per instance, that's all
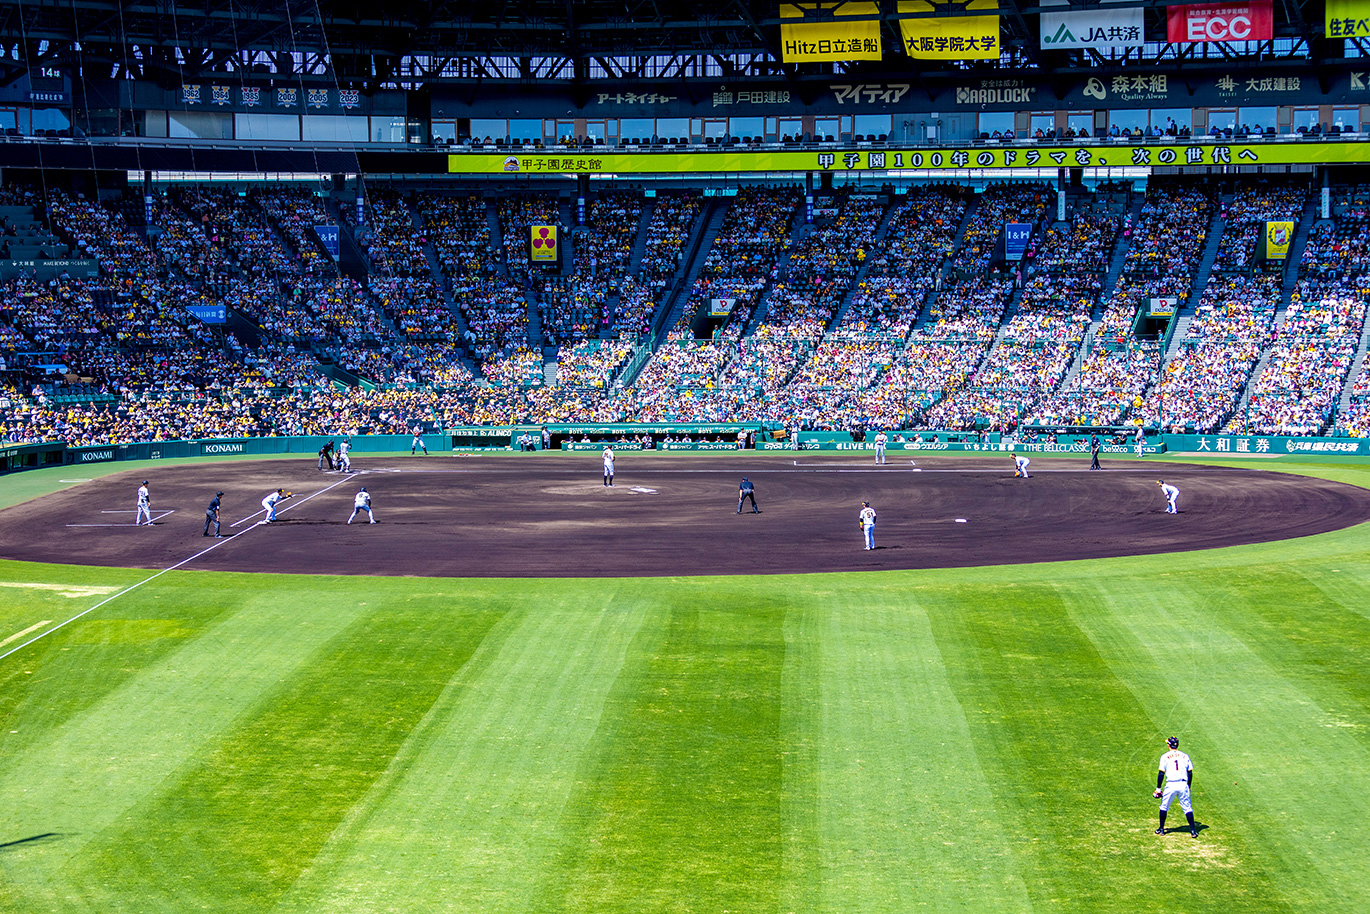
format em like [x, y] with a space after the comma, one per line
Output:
[825, 32]
[1106, 29]
[950, 37]
[1252, 20]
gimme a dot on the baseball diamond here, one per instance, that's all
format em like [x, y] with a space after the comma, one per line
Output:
[675, 515]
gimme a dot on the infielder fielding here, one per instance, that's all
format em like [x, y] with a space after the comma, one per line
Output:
[1174, 780]
[867, 521]
[144, 507]
[362, 502]
[1171, 493]
[1020, 465]
[608, 466]
[747, 491]
[272, 500]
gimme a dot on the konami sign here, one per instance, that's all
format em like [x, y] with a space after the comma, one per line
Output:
[1251, 21]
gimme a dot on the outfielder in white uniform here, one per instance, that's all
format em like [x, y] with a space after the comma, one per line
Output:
[1171, 493]
[867, 519]
[1173, 781]
[1020, 465]
[609, 466]
[144, 508]
[880, 441]
[362, 502]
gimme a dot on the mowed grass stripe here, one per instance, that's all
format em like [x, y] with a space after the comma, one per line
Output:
[1051, 725]
[247, 814]
[683, 809]
[907, 818]
[1286, 784]
[472, 808]
[123, 704]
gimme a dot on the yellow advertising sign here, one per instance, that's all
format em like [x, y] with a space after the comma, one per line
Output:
[933, 158]
[542, 244]
[828, 34]
[1348, 19]
[950, 37]
[1277, 238]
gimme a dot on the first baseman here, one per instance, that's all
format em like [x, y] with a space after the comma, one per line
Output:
[270, 502]
[608, 466]
[362, 502]
[1020, 465]
[144, 508]
[1174, 780]
[1171, 493]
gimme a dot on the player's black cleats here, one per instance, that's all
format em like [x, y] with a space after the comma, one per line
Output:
[1193, 833]
[1160, 831]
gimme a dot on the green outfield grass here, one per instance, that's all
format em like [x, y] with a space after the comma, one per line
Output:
[980, 740]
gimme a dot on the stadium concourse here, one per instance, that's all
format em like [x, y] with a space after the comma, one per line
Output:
[894, 308]
[550, 516]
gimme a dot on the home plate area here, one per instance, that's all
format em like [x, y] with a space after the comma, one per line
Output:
[550, 515]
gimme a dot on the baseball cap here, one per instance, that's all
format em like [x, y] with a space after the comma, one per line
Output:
[144, 482]
[217, 494]
[1173, 742]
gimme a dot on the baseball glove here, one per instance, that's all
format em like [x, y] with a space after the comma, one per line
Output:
[1156, 793]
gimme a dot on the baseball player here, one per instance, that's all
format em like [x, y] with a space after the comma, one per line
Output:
[867, 520]
[212, 514]
[271, 501]
[609, 467]
[746, 491]
[144, 508]
[1094, 446]
[1020, 465]
[1173, 781]
[1171, 493]
[417, 443]
[881, 440]
[344, 462]
[1140, 438]
[362, 502]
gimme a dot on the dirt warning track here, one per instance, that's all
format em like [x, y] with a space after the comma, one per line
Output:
[549, 515]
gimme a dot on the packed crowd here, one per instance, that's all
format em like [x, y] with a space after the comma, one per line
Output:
[745, 256]
[673, 217]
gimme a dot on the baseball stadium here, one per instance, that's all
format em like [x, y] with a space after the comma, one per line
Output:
[884, 456]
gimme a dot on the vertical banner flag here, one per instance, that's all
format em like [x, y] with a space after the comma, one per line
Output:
[1104, 29]
[826, 32]
[542, 244]
[1277, 238]
[1348, 19]
[1251, 20]
[1016, 235]
[951, 37]
[328, 237]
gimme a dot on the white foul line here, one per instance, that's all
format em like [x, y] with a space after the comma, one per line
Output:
[153, 577]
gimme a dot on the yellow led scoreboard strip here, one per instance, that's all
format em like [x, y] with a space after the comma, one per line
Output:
[937, 158]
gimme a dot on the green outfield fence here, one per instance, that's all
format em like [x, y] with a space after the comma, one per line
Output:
[705, 437]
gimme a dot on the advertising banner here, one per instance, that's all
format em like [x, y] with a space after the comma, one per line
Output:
[328, 237]
[1276, 240]
[1248, 21]
[542, 244]
[721, 307]
[1348, 18]
[1162, 307]
[210, 314]
[950, 37]
[935, 158]
[1106, 29]
[1016, 235]
[823, 32]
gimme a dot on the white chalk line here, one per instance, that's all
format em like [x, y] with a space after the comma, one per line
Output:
[132, 587]
[281, 509]
[32, 628]
[154, 519]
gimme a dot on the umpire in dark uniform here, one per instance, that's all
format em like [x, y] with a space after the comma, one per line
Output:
[1094, 453]
[212, 515]
[746, 491]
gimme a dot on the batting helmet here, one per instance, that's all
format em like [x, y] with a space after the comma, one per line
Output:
[1173, 742]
